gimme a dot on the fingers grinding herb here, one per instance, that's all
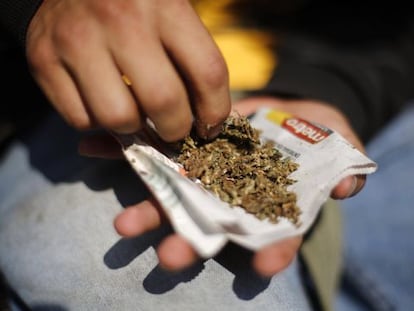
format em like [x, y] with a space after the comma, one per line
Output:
[242, 171]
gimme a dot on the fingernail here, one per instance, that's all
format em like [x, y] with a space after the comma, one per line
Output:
[352, 186]
[213, 131]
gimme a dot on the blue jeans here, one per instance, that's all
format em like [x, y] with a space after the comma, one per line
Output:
[379, 226]
[59, 250]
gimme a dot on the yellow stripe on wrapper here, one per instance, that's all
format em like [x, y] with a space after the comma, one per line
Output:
[278, 117]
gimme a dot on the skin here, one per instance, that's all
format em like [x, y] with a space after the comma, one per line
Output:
[78, 52]
[174, 252]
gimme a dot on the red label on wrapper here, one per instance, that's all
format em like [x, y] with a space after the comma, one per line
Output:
[305, 130]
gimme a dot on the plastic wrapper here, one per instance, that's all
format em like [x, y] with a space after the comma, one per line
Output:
[207, 223]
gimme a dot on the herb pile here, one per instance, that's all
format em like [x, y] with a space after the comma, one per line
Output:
[242, 171]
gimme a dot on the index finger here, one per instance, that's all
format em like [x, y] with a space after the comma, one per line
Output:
[203, 67]
[276, 257]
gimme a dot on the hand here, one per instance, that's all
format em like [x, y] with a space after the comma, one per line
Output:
[80, 50]
[317, 112]
[174, 252]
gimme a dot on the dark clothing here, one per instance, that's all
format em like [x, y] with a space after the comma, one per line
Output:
[354, 55]
[15, 16]
[22, 104]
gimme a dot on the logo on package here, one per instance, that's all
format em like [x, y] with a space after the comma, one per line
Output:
[305, 130]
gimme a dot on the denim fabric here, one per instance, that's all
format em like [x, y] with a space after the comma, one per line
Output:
[379, 226]
[59, 250]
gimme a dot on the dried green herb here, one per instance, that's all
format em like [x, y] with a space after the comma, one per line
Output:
[243, 171]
